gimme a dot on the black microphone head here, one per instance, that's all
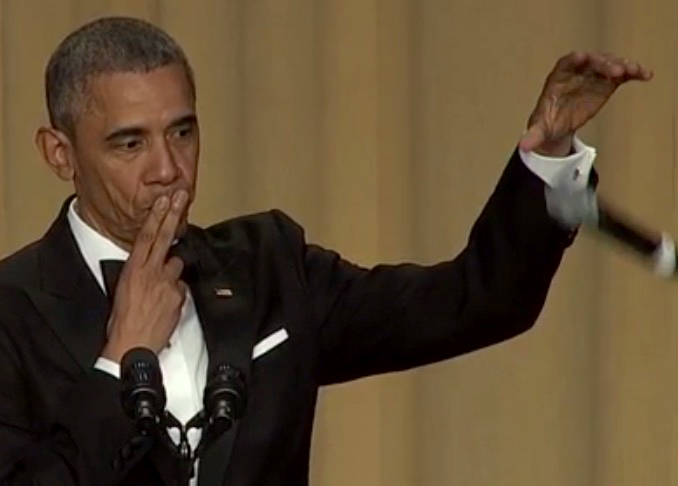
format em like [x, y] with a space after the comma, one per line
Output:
[135, 355]
[143, 394]
[225, 397]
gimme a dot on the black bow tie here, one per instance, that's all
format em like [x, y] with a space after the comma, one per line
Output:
[111, 269]
[111, 272]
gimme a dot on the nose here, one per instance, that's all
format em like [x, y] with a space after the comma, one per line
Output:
[164, 168]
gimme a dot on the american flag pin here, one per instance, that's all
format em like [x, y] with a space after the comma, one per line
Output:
[223, 292]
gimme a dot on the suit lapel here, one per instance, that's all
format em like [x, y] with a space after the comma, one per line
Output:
[72, 302]
[223, 293]
[76, 307]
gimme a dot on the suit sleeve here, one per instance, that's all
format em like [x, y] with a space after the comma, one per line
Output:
[394, 317]
[82, 444]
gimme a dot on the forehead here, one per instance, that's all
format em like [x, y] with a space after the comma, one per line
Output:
[148, 98]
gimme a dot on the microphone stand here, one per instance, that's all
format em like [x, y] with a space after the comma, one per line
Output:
[144, 400]
[223, 403]
[182, 452]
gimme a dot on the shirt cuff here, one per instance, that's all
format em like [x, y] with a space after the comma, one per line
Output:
[570, 173]
[108, 366]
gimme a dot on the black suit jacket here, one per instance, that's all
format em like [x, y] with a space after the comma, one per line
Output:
[61, 422]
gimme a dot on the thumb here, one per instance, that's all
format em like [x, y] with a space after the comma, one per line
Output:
[532, 138]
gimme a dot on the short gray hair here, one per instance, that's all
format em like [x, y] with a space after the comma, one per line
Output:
[104, 46]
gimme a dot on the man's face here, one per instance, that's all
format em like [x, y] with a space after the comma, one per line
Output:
[136, 139]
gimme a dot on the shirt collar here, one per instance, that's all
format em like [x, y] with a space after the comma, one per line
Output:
[93, 246]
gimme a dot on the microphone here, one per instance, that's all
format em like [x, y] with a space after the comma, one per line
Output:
[143, 394]
[583, 207]
[224, 398]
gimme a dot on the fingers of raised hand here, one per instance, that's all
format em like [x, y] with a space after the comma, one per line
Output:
[635, 70]
[617, 68]
[147, 235]
[605, 65]
[167, 231]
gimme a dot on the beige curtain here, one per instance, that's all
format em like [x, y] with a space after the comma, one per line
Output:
[382, 126]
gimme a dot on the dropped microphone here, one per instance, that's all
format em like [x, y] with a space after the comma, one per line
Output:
[143, 394]
[583, 207]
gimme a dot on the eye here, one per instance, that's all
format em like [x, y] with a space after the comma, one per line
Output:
[183, 132]
[129, 144]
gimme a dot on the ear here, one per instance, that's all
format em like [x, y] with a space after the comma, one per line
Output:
[55, 147]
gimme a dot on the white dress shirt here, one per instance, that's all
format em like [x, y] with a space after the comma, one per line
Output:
[183, 363]
[570, 172]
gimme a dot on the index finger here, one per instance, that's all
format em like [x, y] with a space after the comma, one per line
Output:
[168, 229]
[147, 234]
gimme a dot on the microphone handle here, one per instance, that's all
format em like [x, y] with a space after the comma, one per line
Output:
[642, 241]
[582, 207]
[659, 248]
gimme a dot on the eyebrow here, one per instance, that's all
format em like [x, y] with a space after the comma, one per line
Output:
[132, 131]
[184, 120]
[125, 132]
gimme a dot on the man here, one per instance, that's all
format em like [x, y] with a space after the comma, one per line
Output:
[249, 292]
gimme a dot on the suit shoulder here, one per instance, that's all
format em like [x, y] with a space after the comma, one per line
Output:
[17, 266]
[264, 226]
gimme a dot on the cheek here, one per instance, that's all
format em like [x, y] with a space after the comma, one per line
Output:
[126, 194]
[110, 186]
[99, 187]
[189, 165]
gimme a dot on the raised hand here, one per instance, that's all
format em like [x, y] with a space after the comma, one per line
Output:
[573, 93]
[149, 295]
